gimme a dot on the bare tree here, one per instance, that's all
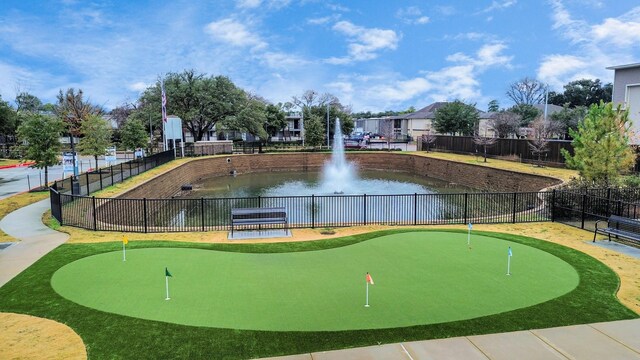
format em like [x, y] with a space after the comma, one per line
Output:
[505, 123]
[526, 91]
[484, 141]
[428, 139]
[538, 138]
[386, 130]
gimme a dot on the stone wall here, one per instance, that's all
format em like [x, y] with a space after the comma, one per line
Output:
[478, 177]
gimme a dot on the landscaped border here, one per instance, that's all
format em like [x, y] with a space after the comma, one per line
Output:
[115, 336]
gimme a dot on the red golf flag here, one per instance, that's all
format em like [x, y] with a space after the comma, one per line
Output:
[369, 279]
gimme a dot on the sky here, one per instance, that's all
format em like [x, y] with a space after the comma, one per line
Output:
[373, 55]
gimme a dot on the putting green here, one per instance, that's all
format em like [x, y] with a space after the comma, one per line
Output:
[420, 278]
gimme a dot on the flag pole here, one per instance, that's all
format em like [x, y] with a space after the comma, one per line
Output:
[166, 278]
[124, 252]
[469, 236]
[509, 262]
[367, 301]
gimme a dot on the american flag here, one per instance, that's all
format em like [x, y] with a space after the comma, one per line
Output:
[164, 103]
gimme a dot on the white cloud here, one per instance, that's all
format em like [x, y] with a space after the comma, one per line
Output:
[323, 20]
[139, 86]
[618, 32]
[279, 60]
[364, 43]
[412, 15]
[248, 4]
[234, 33]
[445, 10]
[473, 36]
[498, 5]
[595, 46]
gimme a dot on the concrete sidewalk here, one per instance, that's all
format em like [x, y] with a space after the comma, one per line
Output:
[36, 239]
[611, 340]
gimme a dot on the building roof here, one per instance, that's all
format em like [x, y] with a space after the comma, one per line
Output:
[427, 112]
[551, 109]
[620, 67]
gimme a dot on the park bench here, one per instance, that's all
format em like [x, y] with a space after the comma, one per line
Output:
[620, 227]
[258, 216]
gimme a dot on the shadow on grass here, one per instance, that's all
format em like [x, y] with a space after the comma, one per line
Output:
[115, 336]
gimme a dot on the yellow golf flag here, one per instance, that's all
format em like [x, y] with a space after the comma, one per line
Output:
[125, 240]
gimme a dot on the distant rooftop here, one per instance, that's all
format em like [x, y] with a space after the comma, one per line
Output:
[628, 66]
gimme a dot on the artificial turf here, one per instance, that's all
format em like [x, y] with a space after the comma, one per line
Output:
[113, 336]
[422, 278]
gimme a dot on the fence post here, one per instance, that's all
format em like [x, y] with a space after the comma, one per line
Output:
[415, 208]
[259, 201]
[100, 174]
[553, 205]
[365, 209]
[466, 214]
[202, 212]
[609, 202]
[95, 215]
[513, 220]
[619, 208]
[88, 189]
[121, 172]
[144, 207]
[584, 204]
[131, 170]
[111, 172]
[313, 211]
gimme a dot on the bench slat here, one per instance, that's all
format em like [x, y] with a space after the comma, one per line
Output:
[620, 226]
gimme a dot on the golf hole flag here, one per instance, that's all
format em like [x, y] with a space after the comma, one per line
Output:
[167, 275]
[369, 279]
[509, 255]
[125, 241]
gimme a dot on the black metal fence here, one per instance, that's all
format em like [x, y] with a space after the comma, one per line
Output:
[174, 215]
[502, 148]
[583, 208]
[92, 181]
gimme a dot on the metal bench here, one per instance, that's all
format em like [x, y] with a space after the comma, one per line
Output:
[620, 227]
[258, 216]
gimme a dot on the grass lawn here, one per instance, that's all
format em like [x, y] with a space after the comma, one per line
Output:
[109, 335]
[423, 278]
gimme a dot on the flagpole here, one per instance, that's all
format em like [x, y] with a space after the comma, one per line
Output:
[124, 252]
[469, 237]
[367, 302]
[166, 278]
[509, 262]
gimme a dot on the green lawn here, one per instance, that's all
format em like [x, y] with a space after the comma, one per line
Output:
[422, 278]
[109, 335]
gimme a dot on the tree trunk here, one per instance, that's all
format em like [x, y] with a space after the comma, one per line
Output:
[46, 176]
[96, 168]
[485, 153]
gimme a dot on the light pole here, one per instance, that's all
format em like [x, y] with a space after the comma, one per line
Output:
[546, 101]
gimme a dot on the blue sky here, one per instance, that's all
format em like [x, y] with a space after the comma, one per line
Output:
[373, 55]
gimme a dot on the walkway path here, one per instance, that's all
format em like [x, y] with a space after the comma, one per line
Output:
[611, 340]
[36, 239]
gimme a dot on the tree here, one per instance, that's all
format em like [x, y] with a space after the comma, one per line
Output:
[41, 135]
[275, 120]
[314, 103]
[28, 103]
[583, 92]
[526, 91]
[505, 123]
[456, 117]
[527, 113]
[250, 119]
[569, 118]
[121, 113]
[96, 139]
[200, 101]
[601, 145]
[485, 142]
[313, 130]
[386, 130]
[538, 137]
[429, 139]
[133, 135]
[493, 106]
[8, 121]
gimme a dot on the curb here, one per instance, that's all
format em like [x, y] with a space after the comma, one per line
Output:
[17, 165]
